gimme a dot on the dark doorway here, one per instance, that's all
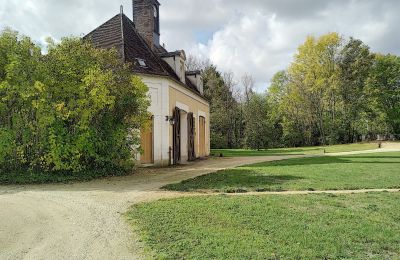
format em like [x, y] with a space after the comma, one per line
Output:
[177, 137]
[191, 136]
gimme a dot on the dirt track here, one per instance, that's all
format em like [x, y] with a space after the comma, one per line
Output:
[83, 221]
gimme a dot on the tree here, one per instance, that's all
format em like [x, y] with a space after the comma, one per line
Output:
[218, 90]
[314, 81]
[248, 86]
[384, 89]
[257, 129]
[75, 109]
[355, 64]
[275, 96]
[19, 59]
[194, 63]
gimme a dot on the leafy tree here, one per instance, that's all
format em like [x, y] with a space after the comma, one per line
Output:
[314, 82]
[19, 59]
[384, 89]
[355, 64]
[74, 109]
[257, 128]
[225, 114]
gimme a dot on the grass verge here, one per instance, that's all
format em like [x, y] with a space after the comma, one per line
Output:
[318, 150]
[361, 226]
[364, 171]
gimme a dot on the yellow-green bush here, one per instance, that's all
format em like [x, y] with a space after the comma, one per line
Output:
[70, 110]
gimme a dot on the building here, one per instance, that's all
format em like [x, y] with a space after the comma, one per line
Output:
[180, 123]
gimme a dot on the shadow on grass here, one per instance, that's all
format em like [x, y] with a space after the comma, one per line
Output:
[238, 179]
[274, 152]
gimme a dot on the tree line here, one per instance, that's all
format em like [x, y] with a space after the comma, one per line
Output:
[335, 91]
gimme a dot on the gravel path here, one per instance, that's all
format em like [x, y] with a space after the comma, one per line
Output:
[83, 220]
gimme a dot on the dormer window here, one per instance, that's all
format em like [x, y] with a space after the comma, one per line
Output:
[141, 63]
[176, 60]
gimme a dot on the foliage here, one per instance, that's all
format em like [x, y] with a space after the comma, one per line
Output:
[384, 89]
[257, 127]
[368, 171]
[357, 226]
[355, 63]
[72, 110]
[335, 92]
[226, 119]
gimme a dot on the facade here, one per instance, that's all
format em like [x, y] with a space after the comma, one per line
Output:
[180, 125]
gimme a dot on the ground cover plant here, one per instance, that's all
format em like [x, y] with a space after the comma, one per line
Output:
[363, 171]
[362, 226]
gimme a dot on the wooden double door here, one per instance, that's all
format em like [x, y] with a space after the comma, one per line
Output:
[178, 134]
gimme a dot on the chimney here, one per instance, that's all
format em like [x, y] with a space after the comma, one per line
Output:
[146, 18]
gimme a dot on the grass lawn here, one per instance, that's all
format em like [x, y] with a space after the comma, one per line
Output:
[362, 226]
[302, 150]
[364, 171]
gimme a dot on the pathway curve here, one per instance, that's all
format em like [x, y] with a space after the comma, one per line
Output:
[83, 220]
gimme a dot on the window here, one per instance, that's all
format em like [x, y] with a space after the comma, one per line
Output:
[141, 62]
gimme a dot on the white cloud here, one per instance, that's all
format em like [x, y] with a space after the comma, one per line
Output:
[253, 36]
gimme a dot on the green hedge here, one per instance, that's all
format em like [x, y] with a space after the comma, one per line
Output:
[71, 110]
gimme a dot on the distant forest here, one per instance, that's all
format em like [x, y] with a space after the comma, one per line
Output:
[335, 91]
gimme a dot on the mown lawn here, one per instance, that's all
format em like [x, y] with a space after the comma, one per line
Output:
[300, 151]
[364, 171]
[362, 226]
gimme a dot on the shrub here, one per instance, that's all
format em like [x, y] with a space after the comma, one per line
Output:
[72, 109]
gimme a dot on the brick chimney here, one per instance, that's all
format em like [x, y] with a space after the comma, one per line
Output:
[146, 17]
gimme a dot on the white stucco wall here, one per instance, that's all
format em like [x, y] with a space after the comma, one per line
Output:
[159, 95]
[160, 90]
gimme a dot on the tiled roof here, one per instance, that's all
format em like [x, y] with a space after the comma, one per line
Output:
[119, 32]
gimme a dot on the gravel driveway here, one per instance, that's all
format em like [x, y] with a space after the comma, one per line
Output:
[83, 220]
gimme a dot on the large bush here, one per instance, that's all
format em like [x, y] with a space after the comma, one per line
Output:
[74, 109]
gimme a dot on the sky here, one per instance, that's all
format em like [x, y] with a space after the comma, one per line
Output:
[256, 37]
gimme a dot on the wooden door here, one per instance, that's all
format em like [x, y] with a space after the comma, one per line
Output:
[202, 136]
[177, 137]
[191, 137]
[147, 144]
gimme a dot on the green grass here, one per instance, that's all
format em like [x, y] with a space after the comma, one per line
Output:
[29, 177]
[362, 226]
[300, 151]
[365, 171]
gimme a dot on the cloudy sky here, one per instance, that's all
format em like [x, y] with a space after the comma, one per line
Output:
[258, 37]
